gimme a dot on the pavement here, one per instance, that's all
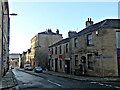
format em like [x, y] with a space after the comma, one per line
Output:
[9, 80]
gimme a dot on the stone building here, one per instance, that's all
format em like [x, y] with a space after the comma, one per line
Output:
[97, 43]
[14, 60]
[25, 58]
[95, 50]
[4, 37]
[59, 60]
[39, 47]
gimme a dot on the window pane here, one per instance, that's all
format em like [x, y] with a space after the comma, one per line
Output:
[118, 39]
[76, 60]
[89, 39]
[90, 61]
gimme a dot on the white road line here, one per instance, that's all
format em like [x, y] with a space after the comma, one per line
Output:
[117, 87]
[100, 84]
[93, 82]
[109, 85]
[106, 85]
[54, 83]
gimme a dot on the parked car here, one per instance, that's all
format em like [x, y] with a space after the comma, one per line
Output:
[27, 67]
[11, 67]
[38, 69]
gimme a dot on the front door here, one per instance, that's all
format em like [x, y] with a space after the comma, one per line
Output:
[118, 65]
[56, 65]
[67, 68]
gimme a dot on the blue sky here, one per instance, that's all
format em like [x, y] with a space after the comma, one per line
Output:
[35, 17]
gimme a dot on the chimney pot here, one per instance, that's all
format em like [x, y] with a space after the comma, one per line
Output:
[57, 31]
[89, 22]
[88, 19]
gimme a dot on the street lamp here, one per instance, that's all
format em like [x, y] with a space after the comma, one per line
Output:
[12, 14]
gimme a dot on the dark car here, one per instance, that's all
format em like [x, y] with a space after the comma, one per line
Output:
[38, 69]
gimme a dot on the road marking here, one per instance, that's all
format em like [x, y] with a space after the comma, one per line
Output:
[93, 82]
[100, 84]
[54, 83]
[109, 85]
[117, 87]
[105, 85]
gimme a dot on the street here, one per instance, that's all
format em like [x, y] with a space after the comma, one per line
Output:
[30, 82]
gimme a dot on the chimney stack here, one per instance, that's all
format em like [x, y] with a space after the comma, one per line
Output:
[57, 32]
[71, 33]
[89, 22]
[49, 30]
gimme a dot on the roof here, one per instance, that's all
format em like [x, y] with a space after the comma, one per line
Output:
[49, 33]
[60, 42]
[107, 23]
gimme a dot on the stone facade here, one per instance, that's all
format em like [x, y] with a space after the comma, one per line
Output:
[59, 60]
[14, 60]
[4, 37]
[94, 50]
[39, 47]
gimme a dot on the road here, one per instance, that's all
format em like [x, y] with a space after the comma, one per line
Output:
[27, 81]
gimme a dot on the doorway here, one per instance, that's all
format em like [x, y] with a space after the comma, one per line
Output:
[67, 68]
[56, 65]
[118, 65]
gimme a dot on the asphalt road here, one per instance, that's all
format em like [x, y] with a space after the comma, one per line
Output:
[27, 81]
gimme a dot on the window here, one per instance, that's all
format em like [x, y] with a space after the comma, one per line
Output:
[90, 61]
[60, 64]
[118, 39]
[52, 51]
[52, 62]
[75, 42]
[89, 40]
[66, 48]
[55, 50]
[76, 60]
[60, 49]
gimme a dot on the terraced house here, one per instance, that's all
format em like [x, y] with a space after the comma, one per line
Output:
[94, 50]
[59, 60]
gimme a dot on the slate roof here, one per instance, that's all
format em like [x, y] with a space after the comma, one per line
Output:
[60, 42]
[107, 23]
[49, 33]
